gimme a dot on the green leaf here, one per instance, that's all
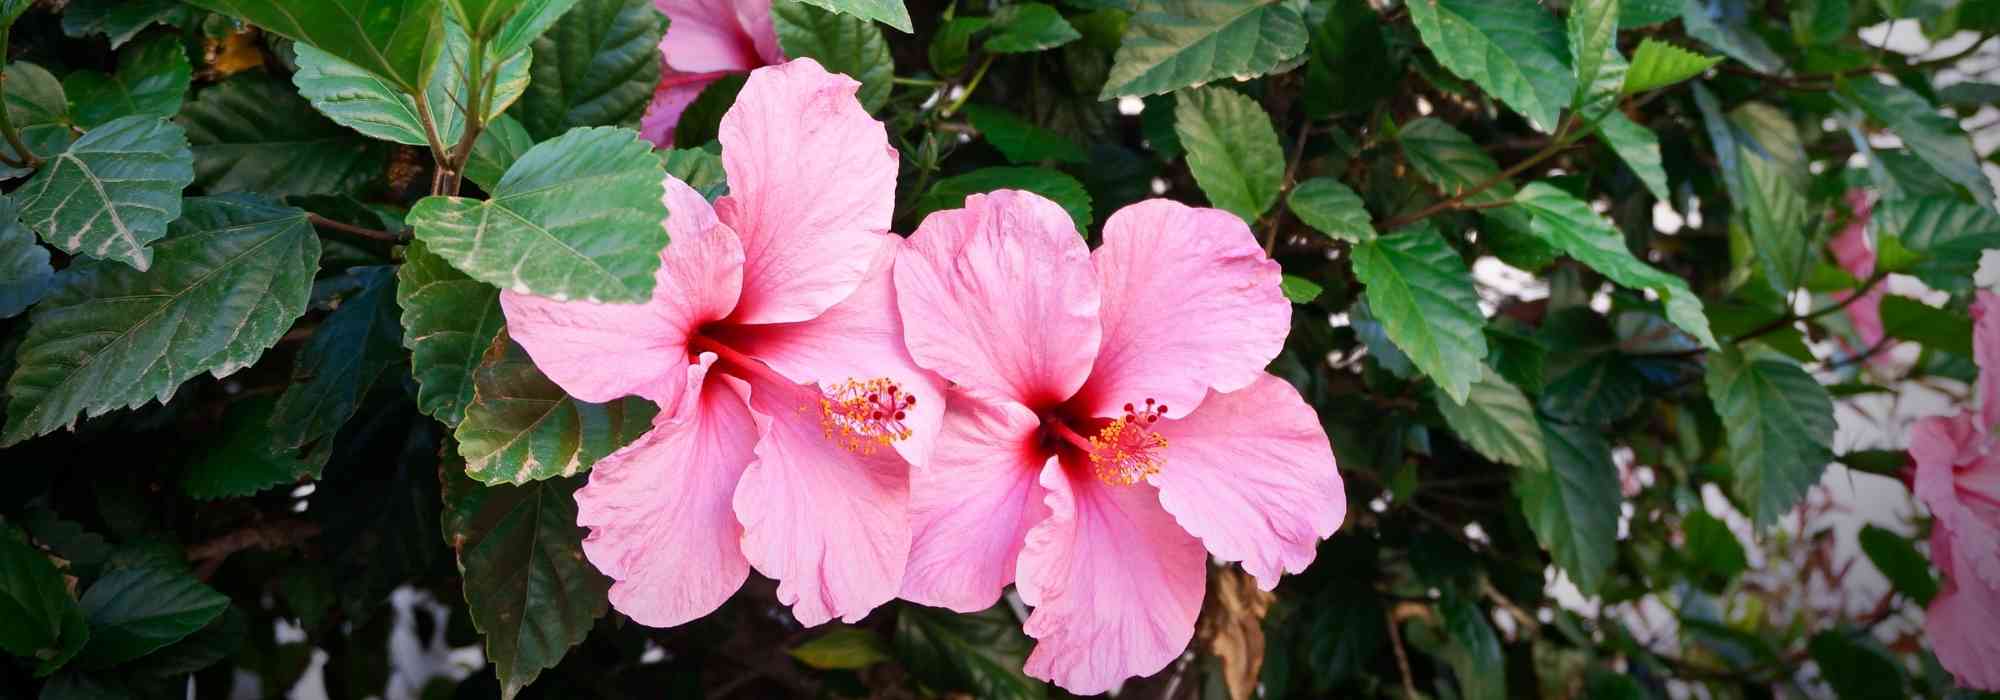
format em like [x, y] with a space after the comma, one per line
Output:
[1592, 28]
[120, 20]
[841, 43]
[1172, 44]
[1857, 666]
[1639, 148]
[43, 622]
[34, 96]
[1948, 233]
[1780, 428]
[25, 274]
[449, 320]
[1936, 139]
[529, 21]
[1908, 319]
[700, 169]
[366, 103]
[1232, 150]
[1299, 289]
[952, 44]
[1021, 141]
[1898, 560]
[1512, 49]
[1573, 506]
[980, 653]
[252, 133]
[577, 217]
[703, 117]
[1498, 422]
[597, 66]
[521, 427]
[1728, 32]
[1475, 655]
[950, 193]
[1711, 548]
[1027, 27]
[527, 585]
[239, 461]
[383, 37]
[112, 191]
[889, 12]
[499, 145]
[1969, 95]
[1333, 209]
[352, 349]
[1569, 224]
[841, 648]
[1769, 182]
[220, 639]
[1633, 14]
[1346, 59]
[134, 611]
[42, 140]
[232, 277]
[1420, 290]
[1449, 159]
[150, 81]
[1657, 64]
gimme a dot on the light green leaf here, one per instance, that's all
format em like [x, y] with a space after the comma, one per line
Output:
[449, 320]
[889, 12]
[349, 352]
[981, 654]
[1657, 64]
[1948, 232]
[1908, 319]
[1573, 506]
[950, 193]
[120, 20]
[1420, 290]
[1593, 49]
[150, 81]
[383, 37]
[1498, 422]
[527, 585]
[232, 277]
[1513, 49]
[841, 43]
[1936, 139]
[133, 611]
[239, 461]
[112, 191]
[1028, 27]
[1333, 209]
[577, 217]
[1567, 223]
[843, 648]
[597, 66]
[43, 622]
[1898, 560]
[498, 146]
[25, 274]
[1299, 289]
[521, 427]
[1780, 426]
[1232, 150]
[252, 133]
[1639, 148]
[366, 103]
[1172, 44]
[1021, 141]
[34, 96]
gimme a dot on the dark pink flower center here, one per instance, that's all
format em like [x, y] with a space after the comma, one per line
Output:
[1120, 451]
[860, 415]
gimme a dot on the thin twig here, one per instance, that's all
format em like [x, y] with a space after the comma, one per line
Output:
[1291, 178]
[1560, 143]
[1402, 657]
[352, 230]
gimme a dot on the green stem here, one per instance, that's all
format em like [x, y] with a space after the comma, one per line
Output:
[28, 157]
[970, 85]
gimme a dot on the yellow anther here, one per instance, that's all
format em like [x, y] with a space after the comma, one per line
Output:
[862, 415]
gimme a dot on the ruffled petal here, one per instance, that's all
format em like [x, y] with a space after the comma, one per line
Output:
[812, 184]
[1958, 478]
[831, 524]
[1191, 303]
[859, 339]
[661, 524]
[1116, 584]
[973, 506]
[1963, 623]
[1251, 473]
[705, 36]
[1986, 353]
[999, 296]
[600, 352]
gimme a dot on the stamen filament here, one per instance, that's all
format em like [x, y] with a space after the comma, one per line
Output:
[737, 361]
[1063, 431]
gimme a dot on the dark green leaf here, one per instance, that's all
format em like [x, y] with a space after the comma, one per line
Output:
[34, 96]
[366, 103]
[953, 43]
[134, 611]
[841, 43]
[1498, 422]
[1028, 27]
[449, 321]
[576, 217]
[530, 20]
[252, 133]
[889, 12]
[1232, 150]
[1172, 44]
[1857, 666]
[150, 81]
[1420, 290]
[1449, 159]
[597, 66]
[1933, 137]
[527, 585]
[521, 427]
[25, 274]
[1780, 427]
[1898, 560]
[843, 648]
[112, 191]
[699, 122]
[1569, 224]
[498, 146]
[1950, 235]
[384, 37]
[1769, 182]
[1931, 327]
[1475, 655]
[232, 277]
[700, 169]
[1347, 60]
[1633, 14]
[950, 193]
[239, 461]
[1657, 64]
[1513, 49]
[220, 639]
[120, 20]
[1021, 141]
[979, 653]
[43, 621]
[1573, 506]
[352, 349]
[1727, 31]
[1333, 209]
[1639, 148]
[1711, 548]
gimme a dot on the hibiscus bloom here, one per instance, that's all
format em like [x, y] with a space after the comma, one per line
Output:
[1958, 477]
[1851, 250]
[1110, 417]
[790, 412]
[706, 40]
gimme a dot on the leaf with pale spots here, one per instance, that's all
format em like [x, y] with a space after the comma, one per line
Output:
[521, 427]
[111, 192]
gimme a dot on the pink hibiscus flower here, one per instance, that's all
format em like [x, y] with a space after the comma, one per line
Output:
[790, 411]
[1958, 477]
[706, 40]
[1110, 416]
[1851, 250]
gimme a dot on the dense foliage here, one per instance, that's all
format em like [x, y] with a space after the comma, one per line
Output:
[1579, 290]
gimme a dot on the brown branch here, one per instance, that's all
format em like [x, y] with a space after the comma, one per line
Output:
[278, 534]
[1402, 657]
[352, 230]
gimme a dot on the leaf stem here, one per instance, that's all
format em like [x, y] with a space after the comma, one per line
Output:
[352, 230]
[27, 157]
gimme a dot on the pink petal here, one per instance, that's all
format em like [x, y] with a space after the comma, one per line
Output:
[972, 507]
[705, 36]
[1000, 296]
[1958, 478]
[659, 513]
[860, 338]
[600, 352]
[1251, 473]
[676, 91]
[830, 524]
[1191, 302]
[1851, 250]
[1116, 584]
[1986, 354]
[812, 184]
[1963, 623]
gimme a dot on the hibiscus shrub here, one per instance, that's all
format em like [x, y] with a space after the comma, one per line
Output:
[999, 348]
